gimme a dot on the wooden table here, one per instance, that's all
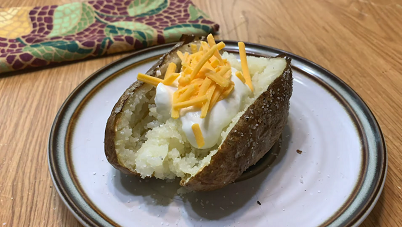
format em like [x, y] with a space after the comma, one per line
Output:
[360, 41]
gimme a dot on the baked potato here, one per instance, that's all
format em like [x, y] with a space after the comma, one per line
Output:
[141, 142]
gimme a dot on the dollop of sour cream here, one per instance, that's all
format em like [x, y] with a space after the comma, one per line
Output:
[216, 120]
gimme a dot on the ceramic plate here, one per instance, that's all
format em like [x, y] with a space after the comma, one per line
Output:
[329, 170]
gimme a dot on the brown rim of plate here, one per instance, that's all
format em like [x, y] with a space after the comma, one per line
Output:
[84, 216]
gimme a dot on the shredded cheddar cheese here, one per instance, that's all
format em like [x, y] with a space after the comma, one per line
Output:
[180, 54]
[240, 76]
[205, 46]
[227, 91]
[193, 48]
[170, 79]
[205, 58]
[204, 86]
[223, 82]
[187, 94]
[205, 107]
[198, 135]
[215, 63]
[149, 79]
[171, 69]
[191, 102]
[211, 42]
[244, 66]
[205, 77]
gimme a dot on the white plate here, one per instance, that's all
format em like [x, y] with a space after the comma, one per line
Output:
[335, 181]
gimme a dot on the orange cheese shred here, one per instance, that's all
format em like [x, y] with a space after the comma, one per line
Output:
[244, 66]
[184, 80]
[205, 58]
[186, 54]
[149, 79]
[188, 70]
[198, 135]
[223, 82]
[215, 97]
[180, 54]
[193, 48]
[215, 63]
[240, 76]
[171, 78]
[207, 65]
[187, 93]
[171, 69]
[205, 46]
[191, 102]
[205, 107]
[197, 81]
[228, 74]
[204, 87]
[211, 42]
[227, 91]
[223, 70]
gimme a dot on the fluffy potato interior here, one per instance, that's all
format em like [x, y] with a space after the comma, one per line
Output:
[151, 147]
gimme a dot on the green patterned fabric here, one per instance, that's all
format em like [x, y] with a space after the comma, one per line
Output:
[44, 35]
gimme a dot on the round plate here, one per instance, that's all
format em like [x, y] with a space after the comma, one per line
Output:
[329, 170]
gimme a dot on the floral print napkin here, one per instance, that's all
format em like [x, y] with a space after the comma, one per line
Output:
[45, 35]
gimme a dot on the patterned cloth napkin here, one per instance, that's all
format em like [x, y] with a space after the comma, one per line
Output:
[44, 35]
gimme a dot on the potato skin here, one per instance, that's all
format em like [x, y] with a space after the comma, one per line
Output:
[110, 131]
[250, 139]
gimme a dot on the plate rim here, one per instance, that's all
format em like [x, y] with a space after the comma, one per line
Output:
[84, 219]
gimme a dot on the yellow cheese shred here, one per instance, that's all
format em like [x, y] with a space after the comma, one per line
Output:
[240, 76]
[205, 46]
[205, 107]
[244, 66]
[223, 82]
[215, 97]
[187, 94]
[204, 86]
[198, 135]
[188, 70]
[186, 54]
[184, 80]
[171, 69]
[228, 74]
[191, 102]
[223, 71]
[211, 42]
[205, 58]
[149, 79]
[193, 48]
[226, 92]
[215, 63]
[180, 54]
[171, 78]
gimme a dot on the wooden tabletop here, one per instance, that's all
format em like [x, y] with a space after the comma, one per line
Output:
[358, 40]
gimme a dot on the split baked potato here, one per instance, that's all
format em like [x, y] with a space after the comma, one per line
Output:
[139, 142]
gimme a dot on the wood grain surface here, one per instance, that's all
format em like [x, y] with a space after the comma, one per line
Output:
[358, 40]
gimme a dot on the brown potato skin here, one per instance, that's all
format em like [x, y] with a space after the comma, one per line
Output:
[110, 131]
[250, 139]
[245, 144]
